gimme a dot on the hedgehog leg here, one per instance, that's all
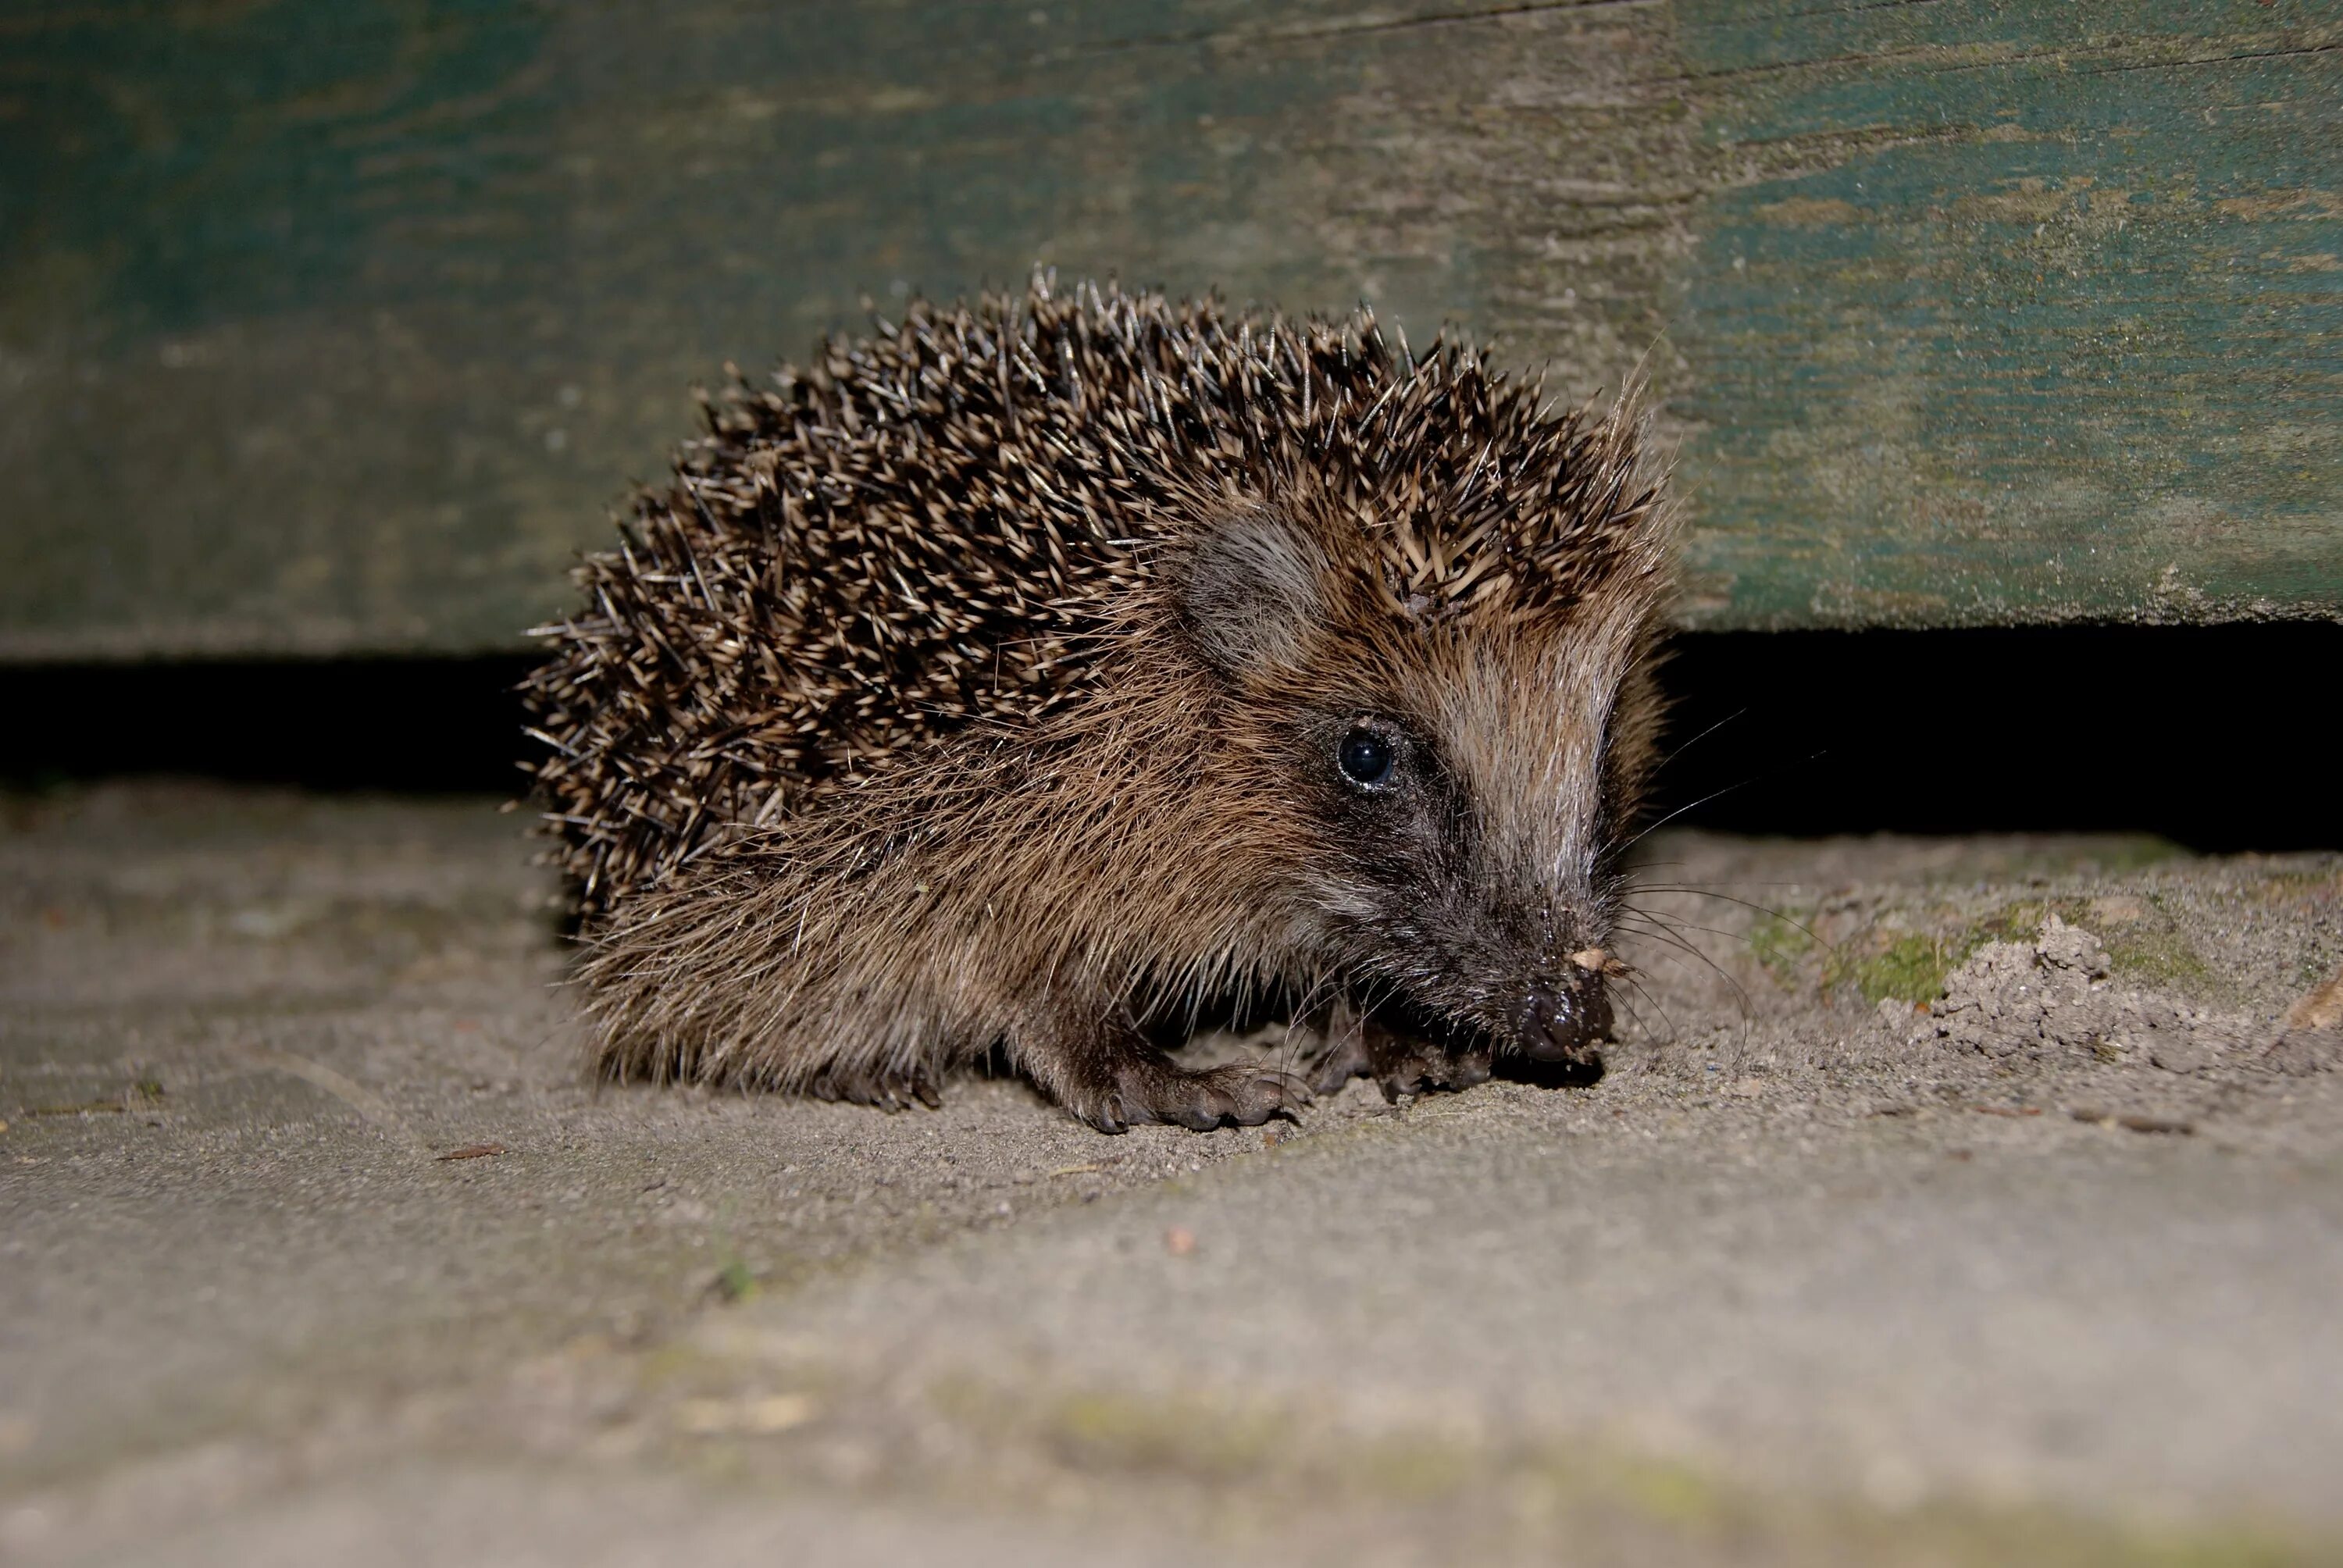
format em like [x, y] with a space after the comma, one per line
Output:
[1108, 1075]
[1404, 1064]
[1359, 1046]
[1345, 1055]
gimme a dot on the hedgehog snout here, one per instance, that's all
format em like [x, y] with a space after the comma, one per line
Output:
[1564, 1020]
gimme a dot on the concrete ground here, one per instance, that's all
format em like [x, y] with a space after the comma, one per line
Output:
[315, 1245]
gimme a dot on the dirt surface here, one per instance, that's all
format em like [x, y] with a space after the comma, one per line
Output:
[1945, 1201]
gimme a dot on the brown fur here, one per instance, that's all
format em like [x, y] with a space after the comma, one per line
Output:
[988, 687]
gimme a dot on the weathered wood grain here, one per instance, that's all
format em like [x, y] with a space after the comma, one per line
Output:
[337, 329]
[2009, 312]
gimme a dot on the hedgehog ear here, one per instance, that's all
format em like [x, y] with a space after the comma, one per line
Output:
[1251, 592]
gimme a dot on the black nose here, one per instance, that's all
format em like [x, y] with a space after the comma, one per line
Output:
[1565, 1022]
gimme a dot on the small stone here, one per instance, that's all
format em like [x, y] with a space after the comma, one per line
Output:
[1178, 1240]
[2178, 1055]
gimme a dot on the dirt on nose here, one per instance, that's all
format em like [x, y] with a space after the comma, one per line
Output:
[1565, 1020]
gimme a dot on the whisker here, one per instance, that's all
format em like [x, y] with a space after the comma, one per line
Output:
[1663, 762]
[1653, 1004]
[1679, 923]
[1688, 806]
[1634, 1017]
[1746, 904]
[1714, 795]
[1675, 940]
[1702, 887]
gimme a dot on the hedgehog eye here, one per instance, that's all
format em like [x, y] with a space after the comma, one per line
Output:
[1365, 757]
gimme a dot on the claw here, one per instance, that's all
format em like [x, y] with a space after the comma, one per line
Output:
[1243, 1093]
[1286, 1091]
[1403, 1065]
[1346, 1057]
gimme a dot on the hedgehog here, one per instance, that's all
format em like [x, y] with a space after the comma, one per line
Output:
[1017, 679]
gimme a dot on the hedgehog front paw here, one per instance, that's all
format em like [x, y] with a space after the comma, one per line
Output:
[1400, 1064]
[1246, 1093]
[1345, 1057]
[1403, 1065]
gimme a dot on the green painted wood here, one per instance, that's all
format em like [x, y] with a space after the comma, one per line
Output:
[340, 328]
[2017, 312]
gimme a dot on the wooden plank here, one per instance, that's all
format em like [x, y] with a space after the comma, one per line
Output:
[329, 336]
[336, 329]
[2017, 313]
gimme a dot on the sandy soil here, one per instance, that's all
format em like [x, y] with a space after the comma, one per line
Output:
[1945, 1202]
